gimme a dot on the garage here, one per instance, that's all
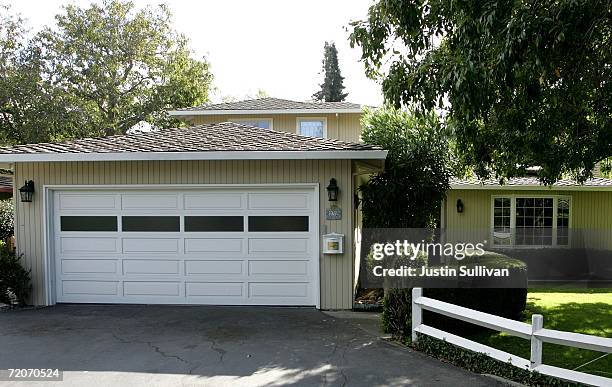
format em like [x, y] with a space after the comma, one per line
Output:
[188, 245]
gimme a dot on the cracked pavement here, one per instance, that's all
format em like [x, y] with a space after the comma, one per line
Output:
[162, 345]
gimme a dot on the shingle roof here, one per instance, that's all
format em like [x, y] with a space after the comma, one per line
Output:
[530, 181]
[222, 137]
[273, 104]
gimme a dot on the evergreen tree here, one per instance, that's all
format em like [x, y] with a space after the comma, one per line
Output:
[332, 87]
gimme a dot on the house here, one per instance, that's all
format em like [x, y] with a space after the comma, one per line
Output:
[563, 232]
[220, 212]
[6, 186]
[339, 120]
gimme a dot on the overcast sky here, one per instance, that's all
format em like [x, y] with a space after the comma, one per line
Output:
[276, 46]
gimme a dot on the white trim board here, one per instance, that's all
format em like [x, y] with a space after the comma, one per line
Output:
[223, 155]
[187, 113]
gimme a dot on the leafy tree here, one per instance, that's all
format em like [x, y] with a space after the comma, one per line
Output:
[332, 87]
[408, 193]
[521, 83]
[102, 70]
[23, 94]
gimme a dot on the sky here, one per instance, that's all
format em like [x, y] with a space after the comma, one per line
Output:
[273, 45]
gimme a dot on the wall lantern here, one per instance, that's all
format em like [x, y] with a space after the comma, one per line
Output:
[27, 191]
[332, 190]
[459, 206]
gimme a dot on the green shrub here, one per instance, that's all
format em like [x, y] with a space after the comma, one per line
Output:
[504, 302]
[13, 276]
[7, 216]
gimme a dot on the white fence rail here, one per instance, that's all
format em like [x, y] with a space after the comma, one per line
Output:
[533, 332]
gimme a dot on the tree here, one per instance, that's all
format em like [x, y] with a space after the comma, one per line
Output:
[101, 71]
[408, 193]
[23, 94]
[520, 83]
[332, 87]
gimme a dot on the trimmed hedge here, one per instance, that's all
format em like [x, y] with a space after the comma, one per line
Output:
[504, 302]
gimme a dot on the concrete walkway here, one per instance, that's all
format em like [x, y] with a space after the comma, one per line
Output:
[98, 345]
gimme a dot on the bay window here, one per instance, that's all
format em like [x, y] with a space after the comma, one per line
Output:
[530, 221]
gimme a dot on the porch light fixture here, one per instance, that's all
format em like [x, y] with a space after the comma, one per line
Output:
[332, 190]
[459, 206]
[27, 191]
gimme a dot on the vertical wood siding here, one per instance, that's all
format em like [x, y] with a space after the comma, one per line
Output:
[335, 271]
[344, 126]
[591, 211]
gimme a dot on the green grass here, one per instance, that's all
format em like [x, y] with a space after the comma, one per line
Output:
[587, 311]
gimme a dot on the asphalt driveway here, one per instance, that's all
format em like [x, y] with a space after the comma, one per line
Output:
[183, 345]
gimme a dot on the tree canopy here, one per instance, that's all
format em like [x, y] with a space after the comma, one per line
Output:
[520, 83]
[408, 193]
[332, 88]
[100, 71]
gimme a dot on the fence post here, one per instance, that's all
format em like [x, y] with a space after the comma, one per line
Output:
[537, 323]
[417, 312]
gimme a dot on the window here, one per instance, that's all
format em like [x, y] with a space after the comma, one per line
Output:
[501, 221]
[265, 123]
[531, 221]
[214, 223]
[150, 223]
[88, 223]
[312, 127]
[278, 223]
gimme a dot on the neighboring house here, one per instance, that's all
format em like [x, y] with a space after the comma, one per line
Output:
[220, 213]
[526, 218]
[6, 187]
[339, 120]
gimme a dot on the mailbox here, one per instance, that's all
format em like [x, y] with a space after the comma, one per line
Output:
[333, 243]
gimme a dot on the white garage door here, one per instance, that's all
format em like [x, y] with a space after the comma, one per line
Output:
[204, 246]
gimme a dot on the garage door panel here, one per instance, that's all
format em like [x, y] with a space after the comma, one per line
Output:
[195, 267]
[151, 288]
[84, 245]
[151, 245]
[276, 201]
[213, 246]
[87, 201]
[214, 289]
[89, 266]
[90, 287]
[150, 266]
[213, 201]
[279, 267]
[149, 201]
[278, 289]
[279, 246]
[224, 246]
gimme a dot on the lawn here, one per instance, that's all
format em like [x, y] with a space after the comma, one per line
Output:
[587, 311]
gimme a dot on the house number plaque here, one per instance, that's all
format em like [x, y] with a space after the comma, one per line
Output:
[333, 213]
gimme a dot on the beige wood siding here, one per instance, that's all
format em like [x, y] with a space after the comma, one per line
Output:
[343, 126]
[591, 211]
[335, 271]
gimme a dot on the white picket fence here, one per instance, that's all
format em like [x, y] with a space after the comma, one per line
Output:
[533, 332]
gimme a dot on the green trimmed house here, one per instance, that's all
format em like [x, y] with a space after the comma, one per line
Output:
[559, 230]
